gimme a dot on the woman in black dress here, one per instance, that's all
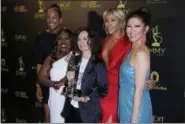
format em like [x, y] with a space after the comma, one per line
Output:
[43, 46]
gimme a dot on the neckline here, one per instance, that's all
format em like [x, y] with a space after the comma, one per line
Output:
[85, 60]
[118, 41]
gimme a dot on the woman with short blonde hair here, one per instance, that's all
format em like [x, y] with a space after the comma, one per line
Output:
[119, 14]
[115, 47]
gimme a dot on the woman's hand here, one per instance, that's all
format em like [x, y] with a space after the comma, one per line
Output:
[81, 99]
[58, 84]
[39, 93]
[150, 84]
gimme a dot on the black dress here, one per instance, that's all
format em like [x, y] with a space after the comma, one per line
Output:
[43, 46]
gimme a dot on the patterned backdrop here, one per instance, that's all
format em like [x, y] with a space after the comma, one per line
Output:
[22, 20]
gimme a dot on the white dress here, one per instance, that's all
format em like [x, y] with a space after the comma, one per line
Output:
[56, 100]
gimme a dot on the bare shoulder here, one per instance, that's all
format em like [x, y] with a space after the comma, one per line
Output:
[49, 58]
[143, 52]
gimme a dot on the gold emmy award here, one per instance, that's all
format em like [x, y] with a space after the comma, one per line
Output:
[41, 6]
[3, 62]
[155, 76]
[70, 84]
[156, 36]
[21, 64]
[40, 14]
[69, 80]
[2, 35]
[121, 5]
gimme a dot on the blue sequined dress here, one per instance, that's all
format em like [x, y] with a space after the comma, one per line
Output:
[126, 95]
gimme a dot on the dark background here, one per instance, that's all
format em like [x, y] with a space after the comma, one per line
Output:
[21, 21]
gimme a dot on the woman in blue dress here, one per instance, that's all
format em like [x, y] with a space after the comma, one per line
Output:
[134, 99]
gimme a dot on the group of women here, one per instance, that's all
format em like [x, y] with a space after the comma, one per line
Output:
[112, 79]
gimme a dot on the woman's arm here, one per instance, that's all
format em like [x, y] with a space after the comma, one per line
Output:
[141, 67]
[43, 75]
[36, 58]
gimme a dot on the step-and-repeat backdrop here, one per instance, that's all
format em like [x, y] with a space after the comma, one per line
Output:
[22, 20]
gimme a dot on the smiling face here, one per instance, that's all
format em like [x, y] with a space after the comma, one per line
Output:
[83, 41]
[53, 19]
[64, 42]
[112, 24]
[136, 30]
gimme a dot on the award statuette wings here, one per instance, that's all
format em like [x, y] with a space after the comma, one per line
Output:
[69, 80]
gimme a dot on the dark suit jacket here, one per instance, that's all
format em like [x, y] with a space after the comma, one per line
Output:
[95, 85]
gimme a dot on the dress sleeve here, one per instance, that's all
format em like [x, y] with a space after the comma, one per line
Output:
[102, 79]
[101, 86]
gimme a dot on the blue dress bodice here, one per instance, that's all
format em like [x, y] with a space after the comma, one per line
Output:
[126, 95]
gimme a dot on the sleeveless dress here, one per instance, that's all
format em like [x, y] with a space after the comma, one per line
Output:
[126, 96]
[42, 48]
[109, 104]
[56, 100]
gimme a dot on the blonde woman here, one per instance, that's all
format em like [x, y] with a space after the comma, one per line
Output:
[114, 49]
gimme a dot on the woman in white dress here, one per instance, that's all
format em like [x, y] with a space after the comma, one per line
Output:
[53, 70]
